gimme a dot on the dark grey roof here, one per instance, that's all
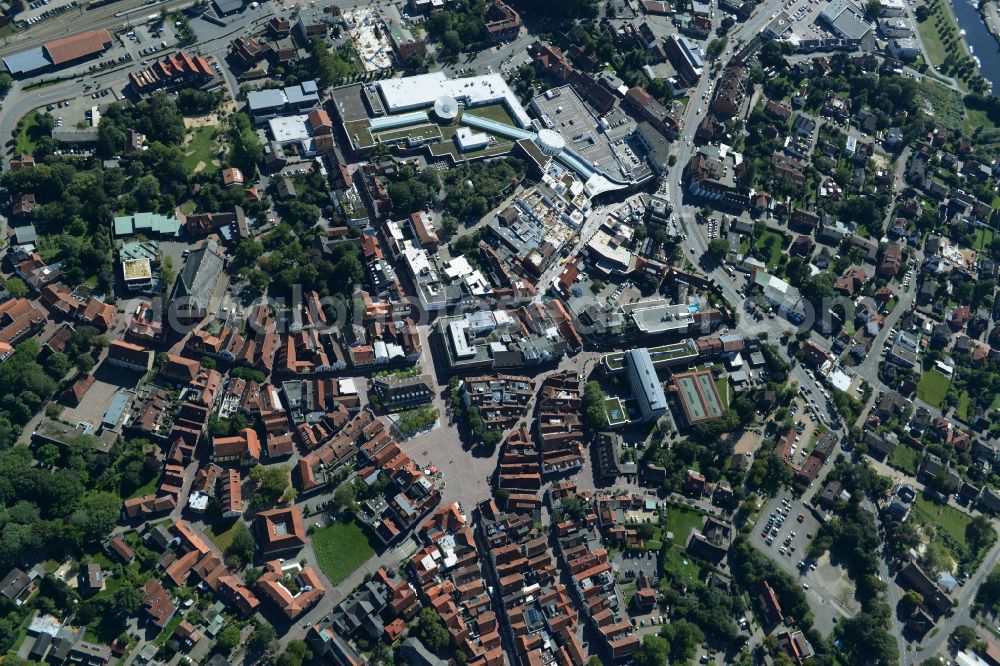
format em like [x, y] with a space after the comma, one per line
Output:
[414, 652]
[41, 646]
[14, 583]
[226, 7]
[201, 272]
[75, 134]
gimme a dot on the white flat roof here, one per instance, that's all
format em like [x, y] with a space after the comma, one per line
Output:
[458, 267]
[414, 92]
[469, 140]
[289, 128]
[456, 331]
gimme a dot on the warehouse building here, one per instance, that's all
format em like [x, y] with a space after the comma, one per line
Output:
[58, 53]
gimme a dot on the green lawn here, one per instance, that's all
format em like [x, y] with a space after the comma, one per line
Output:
[201, 148]
[449, 148]
[945, 102]
[722, 386]
[905, 458]
[946, 519]
[222, 533]
[168, 630]
[933, 387]
[147, 489]
[416, 132]
[681, 521]
[772, 243]
[341, 548]
[984, 236]
[818, 431]
[495, 112]
[29, 133]
[678, 565]
[962, 411]
[22, 634]
[931, 37]
[362, 130]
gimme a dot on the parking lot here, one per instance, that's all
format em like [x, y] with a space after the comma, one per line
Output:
[789, 527]
[147, 41]
[632, 565]
[43, 10]
[804, 14]
[807, 428]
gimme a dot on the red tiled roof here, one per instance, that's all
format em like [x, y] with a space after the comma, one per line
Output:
[75, 47]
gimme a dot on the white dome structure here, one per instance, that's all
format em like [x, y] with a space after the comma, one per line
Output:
[446, 108]
[551, 142]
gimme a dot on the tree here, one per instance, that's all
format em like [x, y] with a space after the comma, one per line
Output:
[573, 507]
[988, 593]
[864, 639]
[343, 497]
[683, 637]
[263, 637]
[194, 102]
[329, 65]
[716, 47]
[17, 288]
[242, 545]
[295, 654]
[964, 637]
[57, 365]
[654, 651]
[246, 150]
[910, 602]
[717, 250]
[272, 483]
[229, 638]
[769, 472]
[127, 600]
[96, 516]
[595, 411]
[430, 631]
[979, 533]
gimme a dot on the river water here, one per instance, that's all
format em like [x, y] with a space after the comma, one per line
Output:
[984, 44]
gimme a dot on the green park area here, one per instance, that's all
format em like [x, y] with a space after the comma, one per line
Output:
[966, 539]
[202, 149]
[341, 548]
[29, 131]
